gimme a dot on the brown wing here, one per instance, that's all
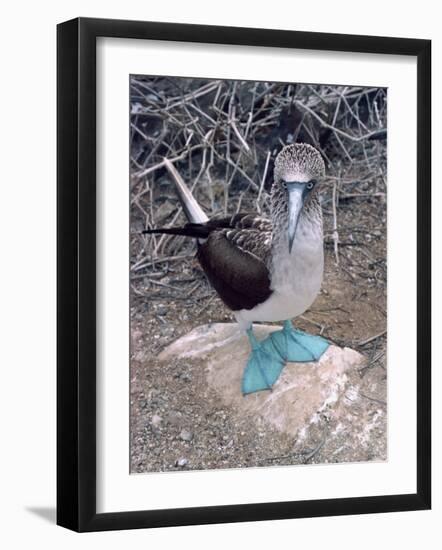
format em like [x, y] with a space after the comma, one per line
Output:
[242, 220]
[234, 261]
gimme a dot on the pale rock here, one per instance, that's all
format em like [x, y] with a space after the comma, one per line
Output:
[186, 435]
[156, 420]
[311, 401]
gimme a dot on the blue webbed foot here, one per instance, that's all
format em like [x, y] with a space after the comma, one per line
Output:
[263, 366]
[297, 346]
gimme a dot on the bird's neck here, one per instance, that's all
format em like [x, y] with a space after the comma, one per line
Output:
[310, 219]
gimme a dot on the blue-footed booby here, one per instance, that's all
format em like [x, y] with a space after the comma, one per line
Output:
[266, 269]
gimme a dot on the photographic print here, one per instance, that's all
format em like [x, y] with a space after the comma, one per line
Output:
[258, 274]
[222, 275]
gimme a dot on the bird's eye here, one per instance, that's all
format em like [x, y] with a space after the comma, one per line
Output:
[284, 185]
[310, 185]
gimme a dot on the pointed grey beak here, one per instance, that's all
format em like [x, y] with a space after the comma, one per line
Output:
[296, 194]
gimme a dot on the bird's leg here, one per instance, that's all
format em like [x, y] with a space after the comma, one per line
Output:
[297, 346]
[263, 366]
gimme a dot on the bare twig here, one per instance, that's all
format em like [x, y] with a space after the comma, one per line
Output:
[335, 225]
[372, 338]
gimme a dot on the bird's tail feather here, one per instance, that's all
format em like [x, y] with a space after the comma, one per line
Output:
[195, 230]
[192, 209]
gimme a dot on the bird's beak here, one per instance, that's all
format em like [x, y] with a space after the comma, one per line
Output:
[296, 194]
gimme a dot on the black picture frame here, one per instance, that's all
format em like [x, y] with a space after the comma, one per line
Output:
[77, 287]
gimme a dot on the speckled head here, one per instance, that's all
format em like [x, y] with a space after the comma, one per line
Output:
[299, 162]
[298, 169]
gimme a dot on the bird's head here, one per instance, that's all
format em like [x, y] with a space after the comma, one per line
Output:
[298, 170]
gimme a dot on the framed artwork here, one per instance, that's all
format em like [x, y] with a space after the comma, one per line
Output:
[232, 203]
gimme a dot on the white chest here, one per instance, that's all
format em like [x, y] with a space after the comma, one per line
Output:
[299, 272]
[295, 278]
